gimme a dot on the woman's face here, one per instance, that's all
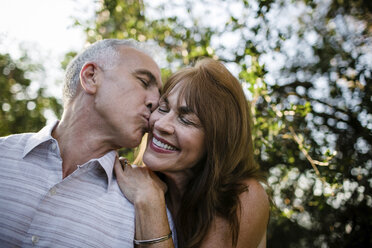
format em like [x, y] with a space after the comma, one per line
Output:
[176, 138]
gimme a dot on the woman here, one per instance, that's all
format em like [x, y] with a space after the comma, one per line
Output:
[200, 146]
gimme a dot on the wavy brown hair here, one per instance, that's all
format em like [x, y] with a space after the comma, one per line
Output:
[217, 98]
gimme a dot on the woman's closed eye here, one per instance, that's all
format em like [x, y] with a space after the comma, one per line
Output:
[163, 108]
[189, 120]
[185, 120]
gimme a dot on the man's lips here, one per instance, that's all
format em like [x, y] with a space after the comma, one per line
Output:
[147, 123]
[146, 116]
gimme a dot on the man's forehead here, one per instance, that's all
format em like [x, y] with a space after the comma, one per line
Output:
[134, 55]
[139, 61]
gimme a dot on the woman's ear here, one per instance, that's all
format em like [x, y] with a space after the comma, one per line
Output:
[88, 78]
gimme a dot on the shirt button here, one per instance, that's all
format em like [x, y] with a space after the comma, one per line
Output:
[34, 239]
[53, 191]
[53, 146]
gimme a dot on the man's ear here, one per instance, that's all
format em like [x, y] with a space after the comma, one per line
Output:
[88, 77]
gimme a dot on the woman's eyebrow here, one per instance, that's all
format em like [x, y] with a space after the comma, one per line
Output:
[185, 110]
[164, 99]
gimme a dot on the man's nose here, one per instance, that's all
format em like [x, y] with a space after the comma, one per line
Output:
[152, 101]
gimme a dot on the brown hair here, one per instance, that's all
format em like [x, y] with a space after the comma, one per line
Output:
[217, 98]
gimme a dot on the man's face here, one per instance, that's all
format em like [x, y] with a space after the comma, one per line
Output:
[127, 95]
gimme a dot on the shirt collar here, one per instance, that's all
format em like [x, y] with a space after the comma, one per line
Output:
[42, 136]
[107, 161]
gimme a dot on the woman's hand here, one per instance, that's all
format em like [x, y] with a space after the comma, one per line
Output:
[146, 191]
[138, 184]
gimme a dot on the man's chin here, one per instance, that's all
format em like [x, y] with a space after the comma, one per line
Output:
[133, 140]
[136, 141]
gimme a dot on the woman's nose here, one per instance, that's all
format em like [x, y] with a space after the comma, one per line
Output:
[164, 123]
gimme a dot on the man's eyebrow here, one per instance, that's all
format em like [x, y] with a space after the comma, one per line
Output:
[152, 79]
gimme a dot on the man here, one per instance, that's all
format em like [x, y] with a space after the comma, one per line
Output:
[57, 187]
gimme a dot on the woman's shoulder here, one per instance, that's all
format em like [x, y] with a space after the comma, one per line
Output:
[254, 217]
[255, 196]
[255, 190]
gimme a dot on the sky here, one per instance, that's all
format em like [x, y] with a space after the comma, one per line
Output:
[45, 29]
[44, 22]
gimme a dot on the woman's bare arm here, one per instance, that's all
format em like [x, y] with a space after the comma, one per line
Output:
[253, 221]
[146, 191]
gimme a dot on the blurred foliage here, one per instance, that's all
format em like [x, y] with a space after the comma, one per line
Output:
[305, 65]
[22, 105]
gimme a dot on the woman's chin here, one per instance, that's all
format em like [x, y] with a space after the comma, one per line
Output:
[155, 164]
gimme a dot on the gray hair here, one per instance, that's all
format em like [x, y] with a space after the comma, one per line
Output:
[105, 53]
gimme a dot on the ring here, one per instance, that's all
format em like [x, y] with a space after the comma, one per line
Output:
[125, 163]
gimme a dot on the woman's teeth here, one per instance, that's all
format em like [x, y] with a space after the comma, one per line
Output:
[162, 145]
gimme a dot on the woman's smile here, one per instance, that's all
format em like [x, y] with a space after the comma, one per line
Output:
[160, 145]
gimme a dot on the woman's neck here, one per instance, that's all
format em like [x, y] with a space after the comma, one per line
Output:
[176, 188]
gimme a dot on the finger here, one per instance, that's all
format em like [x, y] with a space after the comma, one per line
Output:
[118, 168]
[160, 182]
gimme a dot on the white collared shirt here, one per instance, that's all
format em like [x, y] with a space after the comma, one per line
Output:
[38, 208]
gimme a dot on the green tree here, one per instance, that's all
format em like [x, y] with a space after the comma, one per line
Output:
[21, 107]
[322, 95]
